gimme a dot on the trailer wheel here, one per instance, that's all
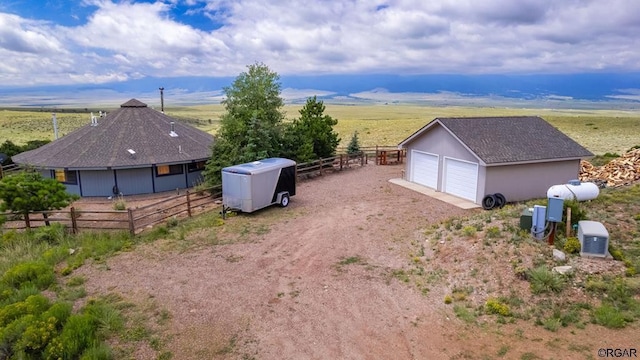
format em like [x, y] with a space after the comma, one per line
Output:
[284, 200]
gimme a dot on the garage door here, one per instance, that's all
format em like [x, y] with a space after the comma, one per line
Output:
[461, 178]
[424, 169]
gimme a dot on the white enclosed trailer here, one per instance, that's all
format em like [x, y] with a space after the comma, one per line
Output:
[256, 185]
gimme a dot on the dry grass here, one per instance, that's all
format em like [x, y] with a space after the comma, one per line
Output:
[600, 131]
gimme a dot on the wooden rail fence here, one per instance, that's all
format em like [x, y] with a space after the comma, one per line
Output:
[192, 201]
[133, 220]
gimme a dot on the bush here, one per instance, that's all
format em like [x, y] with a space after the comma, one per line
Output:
[78, 334]
[551, 324]
[34, 304]
[608, 316]
[98, 352]
[119, 205]
[469, 231]
[172, 222]
[616, 253]
[572, 245]
[544, 280]
[38, 274]
[495, 306]
[493, 232]
[53, 234]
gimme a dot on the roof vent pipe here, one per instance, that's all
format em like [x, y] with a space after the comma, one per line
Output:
[173, 133]
[162, 100]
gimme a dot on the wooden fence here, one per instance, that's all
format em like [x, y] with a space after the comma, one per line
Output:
[7, 169]
[133, 220]
[187, 204]
[384, 155]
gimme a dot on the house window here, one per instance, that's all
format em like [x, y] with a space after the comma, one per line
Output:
[66, 176]
[196, 166]
[163, 170]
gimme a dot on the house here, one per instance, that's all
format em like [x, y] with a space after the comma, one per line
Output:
[519, 157]
[132, 150]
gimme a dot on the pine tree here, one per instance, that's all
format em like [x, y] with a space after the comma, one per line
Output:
[251, 128]
[354, 144]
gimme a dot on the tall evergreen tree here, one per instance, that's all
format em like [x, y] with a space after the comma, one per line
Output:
[311, 136]
[252, 124]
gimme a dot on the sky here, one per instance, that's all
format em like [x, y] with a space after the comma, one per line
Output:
[121, 47]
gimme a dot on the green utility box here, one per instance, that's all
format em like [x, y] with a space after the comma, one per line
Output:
[525, 219]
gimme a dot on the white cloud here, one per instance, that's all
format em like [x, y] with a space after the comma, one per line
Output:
[125, 39]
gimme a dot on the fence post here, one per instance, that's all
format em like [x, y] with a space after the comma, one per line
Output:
[27, 222]
[74, 224]
[132, 227]
[188, 204]
[341, 162]
[362, 158]
[377, 155]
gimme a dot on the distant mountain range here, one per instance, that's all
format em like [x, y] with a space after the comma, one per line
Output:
[618, 91]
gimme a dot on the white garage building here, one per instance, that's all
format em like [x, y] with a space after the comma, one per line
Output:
[520, 157]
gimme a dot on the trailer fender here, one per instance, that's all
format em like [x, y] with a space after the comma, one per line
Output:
[283, 198]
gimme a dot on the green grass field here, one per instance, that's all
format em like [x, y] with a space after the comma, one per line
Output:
[600, 131]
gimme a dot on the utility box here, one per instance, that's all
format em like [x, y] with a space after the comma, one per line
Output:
[594, 238]
[539, 225]
[555, 208]
[256, 185]
[525, 219]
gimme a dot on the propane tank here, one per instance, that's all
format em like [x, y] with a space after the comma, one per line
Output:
[574, 190]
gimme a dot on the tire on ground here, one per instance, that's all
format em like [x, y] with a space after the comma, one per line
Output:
[489, 202]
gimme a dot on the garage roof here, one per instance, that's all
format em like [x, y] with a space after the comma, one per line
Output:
[499, 140]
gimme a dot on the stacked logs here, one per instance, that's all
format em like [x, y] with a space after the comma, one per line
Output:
[620, 171]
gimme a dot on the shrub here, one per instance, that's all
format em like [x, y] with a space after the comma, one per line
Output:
[60, 311]
[572, 245]
[469, 231]
[495, 306]
[577, 212]
[97, 352]
[119, 203]
[37, 335]
[172, 222]
[616, 253]
[53, 234]
[34, 273]
[108, 318]
[32, 305]
[493, 232]
[551, 324]
[448, 299]
[608, 316]
[544, 280]
[78, 334]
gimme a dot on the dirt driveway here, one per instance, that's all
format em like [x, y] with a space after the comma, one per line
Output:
[316, 280]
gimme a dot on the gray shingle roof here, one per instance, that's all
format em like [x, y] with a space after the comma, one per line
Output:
[498, 140]
[133, 126]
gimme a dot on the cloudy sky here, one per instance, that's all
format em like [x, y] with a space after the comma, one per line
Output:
[75, 42]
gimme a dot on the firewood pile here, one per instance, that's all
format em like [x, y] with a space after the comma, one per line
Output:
[619, 171]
